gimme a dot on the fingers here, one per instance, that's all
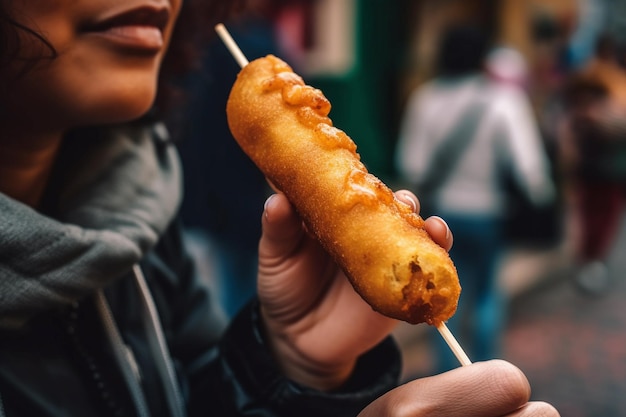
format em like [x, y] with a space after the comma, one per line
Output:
[436, 227]
[409, 198]
[281, 227]
[535, 409]
[483, 389]
[281, 223]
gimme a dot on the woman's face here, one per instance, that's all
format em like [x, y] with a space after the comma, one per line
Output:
[106, 71]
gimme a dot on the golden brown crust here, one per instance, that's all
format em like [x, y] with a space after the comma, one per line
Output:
[382, 246]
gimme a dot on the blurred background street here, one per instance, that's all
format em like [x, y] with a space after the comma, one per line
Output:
[549, 288]
[573, 346]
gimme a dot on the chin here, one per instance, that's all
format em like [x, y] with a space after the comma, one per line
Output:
[120, 108]
[111, 116]
[120, 115]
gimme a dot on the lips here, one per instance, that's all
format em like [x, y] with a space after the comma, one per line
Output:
[139, 29]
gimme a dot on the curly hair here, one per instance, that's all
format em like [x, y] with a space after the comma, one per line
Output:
[193, 30]
[10, 41]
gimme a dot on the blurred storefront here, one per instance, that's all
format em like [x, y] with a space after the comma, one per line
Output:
[353, 51]
[367, 55]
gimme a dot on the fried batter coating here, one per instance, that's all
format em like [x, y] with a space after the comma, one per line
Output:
[382, 246]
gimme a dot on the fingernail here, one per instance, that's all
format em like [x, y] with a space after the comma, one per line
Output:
[447, 228]
[409, 199]
[445, 225]
[267, 203]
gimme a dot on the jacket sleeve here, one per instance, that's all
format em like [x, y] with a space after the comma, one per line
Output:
[241, 378]
[231, 372]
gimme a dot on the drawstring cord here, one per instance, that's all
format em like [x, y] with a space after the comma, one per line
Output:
[158, 345]
[121, 352]
[125, 357]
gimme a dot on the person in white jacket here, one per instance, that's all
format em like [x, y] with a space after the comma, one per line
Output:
[460, 134]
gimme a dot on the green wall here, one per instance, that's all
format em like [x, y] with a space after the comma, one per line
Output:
[365, 103]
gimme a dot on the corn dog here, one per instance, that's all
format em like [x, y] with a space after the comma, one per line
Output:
[381, 245]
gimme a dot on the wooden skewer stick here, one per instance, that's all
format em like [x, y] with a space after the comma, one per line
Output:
[243, 61]
[231, 45]
[454, 345]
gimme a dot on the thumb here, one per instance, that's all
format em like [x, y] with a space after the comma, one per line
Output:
[493, 388]
[291, 263]
[282, 228]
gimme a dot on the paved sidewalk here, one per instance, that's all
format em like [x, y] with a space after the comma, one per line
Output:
[572, 346]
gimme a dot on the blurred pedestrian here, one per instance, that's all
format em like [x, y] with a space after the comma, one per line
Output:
[460, 133]
[594, 158]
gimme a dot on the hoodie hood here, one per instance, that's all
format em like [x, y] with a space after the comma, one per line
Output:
[113, 194]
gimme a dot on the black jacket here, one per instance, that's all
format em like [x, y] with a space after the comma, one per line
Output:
[58, 353]
[60, 364]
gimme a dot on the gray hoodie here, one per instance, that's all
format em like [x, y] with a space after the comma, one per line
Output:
[115, 200]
